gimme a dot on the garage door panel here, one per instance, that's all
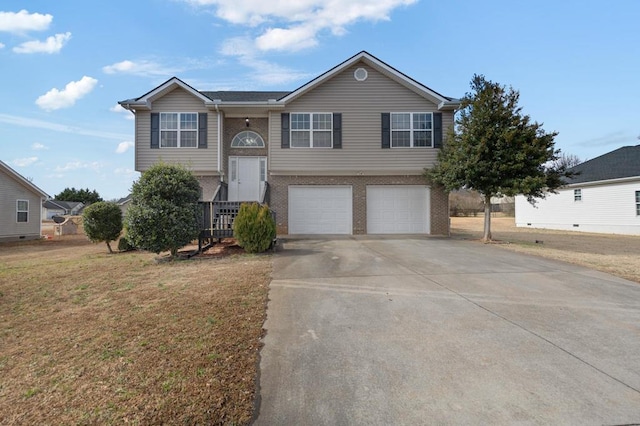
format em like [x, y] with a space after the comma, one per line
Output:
[320, 209]
[398, 209]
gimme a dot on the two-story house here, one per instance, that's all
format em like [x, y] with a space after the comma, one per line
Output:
[342, 154]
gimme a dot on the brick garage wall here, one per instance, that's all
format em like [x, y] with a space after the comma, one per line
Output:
[208, 184]
[279, 185]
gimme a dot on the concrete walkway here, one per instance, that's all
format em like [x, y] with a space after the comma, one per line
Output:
[393, 331]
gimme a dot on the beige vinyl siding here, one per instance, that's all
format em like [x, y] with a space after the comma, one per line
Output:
[11, 191]
[361, 105]
[201, 161]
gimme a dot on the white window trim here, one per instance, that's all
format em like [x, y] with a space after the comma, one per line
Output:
[263, 168]
[637, 194]
[577, 195]
[22, 211]
[411, 130]
[248, 146]
[179, 130]
[311, 130]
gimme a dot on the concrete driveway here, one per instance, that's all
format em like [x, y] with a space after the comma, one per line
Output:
[393, 331]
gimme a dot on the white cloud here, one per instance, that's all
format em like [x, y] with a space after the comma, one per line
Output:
[57, 99]
[296, 25]
[2, 45]
[39, 147]
[124, 147]
[24, 21]
[24, 162]
[264, 72]
[16, 120]
[79, 165]
[293, 39]
[125, 113]
[141, 68]
[52, 44]
[125, 172]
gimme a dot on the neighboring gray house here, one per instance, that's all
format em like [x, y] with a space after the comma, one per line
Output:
[52, 208]
[604, 197]
[342, 154]
[124, 204]
[20, 206]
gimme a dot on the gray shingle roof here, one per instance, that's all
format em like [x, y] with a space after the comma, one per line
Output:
[239, 96]
[622, 163]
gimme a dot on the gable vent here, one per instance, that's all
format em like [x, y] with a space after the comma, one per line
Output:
[360, 74]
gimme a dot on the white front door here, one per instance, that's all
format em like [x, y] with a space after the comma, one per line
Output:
[246, 178]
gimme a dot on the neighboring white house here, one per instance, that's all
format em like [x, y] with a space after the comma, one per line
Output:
[20, 206]
[604, 197]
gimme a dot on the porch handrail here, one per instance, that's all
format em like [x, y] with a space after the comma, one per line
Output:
[266, 194]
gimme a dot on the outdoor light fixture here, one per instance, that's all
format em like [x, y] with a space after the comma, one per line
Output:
[246, 120]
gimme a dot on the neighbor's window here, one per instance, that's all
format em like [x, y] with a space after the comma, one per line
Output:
[577, 195]
[411, 129]
[22, 211]
[178, 130]
[311, 130]
[247, 139]
[637, 203]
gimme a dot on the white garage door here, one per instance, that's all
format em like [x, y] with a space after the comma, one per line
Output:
[398, 209]
[320, 210]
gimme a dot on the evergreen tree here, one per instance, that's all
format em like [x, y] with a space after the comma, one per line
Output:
[495, 149]
[163, 212]
[84, 196]
[102, 221]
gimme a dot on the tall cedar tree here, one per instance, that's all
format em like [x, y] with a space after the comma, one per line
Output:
[164, 209]
[84, 196]
[495, 149]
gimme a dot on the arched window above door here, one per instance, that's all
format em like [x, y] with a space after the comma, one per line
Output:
[247, 139]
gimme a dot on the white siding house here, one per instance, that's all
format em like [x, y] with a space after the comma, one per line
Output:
[20, 206]
[603, 198]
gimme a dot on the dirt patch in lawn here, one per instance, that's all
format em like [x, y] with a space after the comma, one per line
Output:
[92, 338]
[615, 254]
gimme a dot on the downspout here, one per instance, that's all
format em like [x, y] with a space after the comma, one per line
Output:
[219, 137]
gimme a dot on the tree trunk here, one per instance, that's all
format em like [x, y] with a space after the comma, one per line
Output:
[487, 218]
[109, 247]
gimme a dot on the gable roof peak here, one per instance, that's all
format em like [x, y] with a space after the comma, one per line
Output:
[443, 102]
[21, 179]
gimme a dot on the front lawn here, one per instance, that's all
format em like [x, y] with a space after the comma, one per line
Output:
[87, 337]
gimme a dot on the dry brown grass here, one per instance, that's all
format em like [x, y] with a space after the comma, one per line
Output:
[615, 254]
[92, 338]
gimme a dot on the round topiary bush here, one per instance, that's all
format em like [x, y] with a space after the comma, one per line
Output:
[102, 222]
[254, 228]
[125, 245]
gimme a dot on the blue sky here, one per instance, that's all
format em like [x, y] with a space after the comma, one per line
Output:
[65, 64]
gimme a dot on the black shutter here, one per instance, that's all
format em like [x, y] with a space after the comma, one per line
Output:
[202, 130]
[437, 130]
[285, 130]
[386, 130]
[337, 130]
[155, 130]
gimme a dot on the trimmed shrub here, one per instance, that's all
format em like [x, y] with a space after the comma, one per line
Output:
[164, 209]
[102, 221]
[254, 228]
[125, 245]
